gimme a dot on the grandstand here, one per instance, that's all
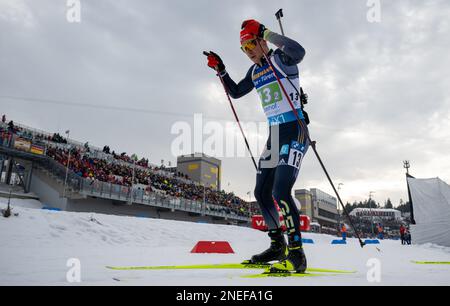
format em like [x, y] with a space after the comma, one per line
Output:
[100, 180]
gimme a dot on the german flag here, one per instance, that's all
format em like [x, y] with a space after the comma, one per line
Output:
[37, 149]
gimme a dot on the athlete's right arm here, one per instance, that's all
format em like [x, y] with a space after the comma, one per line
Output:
[242, 88]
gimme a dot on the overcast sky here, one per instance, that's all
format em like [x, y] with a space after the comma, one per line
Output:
[379, 92]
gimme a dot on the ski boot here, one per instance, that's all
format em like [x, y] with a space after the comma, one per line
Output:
[276, 251]
[295, 262]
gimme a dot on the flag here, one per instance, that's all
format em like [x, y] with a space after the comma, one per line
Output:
[37, 149]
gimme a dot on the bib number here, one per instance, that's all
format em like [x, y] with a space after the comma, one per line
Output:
[295, 158]
[270, 94]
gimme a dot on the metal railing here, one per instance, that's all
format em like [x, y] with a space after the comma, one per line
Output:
[127, 194]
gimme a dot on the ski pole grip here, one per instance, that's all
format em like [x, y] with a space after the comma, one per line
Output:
[279, 13]
[208, 54]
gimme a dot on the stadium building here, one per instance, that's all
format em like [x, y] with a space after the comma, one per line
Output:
[319, 206]
[378, 213]
[201, 168]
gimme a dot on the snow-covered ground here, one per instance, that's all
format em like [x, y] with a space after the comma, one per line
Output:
[36, 245]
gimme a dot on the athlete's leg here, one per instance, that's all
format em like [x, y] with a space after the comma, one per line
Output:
[285, 177]
[263, 195]
[291, 156]
[263, 189]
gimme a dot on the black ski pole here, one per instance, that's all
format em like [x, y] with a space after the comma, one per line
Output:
[235, 116]
[301, 94]
[313, 143]
[279, 15]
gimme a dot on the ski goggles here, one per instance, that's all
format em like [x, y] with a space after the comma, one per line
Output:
[248, 45]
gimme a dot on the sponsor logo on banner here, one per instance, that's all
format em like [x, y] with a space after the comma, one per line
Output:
[22, 144]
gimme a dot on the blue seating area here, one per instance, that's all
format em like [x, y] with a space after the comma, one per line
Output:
[51, 208]
[308, 241]
[338, 241]
[372, 241]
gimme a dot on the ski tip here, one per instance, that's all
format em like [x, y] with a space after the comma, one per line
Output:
[205, 53]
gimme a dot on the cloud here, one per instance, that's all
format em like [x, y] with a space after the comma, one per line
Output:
[17, 12]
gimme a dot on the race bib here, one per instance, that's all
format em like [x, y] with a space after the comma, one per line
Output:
[295, 155]
[270, 94]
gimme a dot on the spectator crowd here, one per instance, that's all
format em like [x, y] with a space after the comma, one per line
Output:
[122, 174]
[88, 165]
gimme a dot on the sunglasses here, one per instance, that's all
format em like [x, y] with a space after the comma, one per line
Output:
[249, 45]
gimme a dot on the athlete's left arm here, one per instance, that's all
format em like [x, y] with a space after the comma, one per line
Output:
[293, 51]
